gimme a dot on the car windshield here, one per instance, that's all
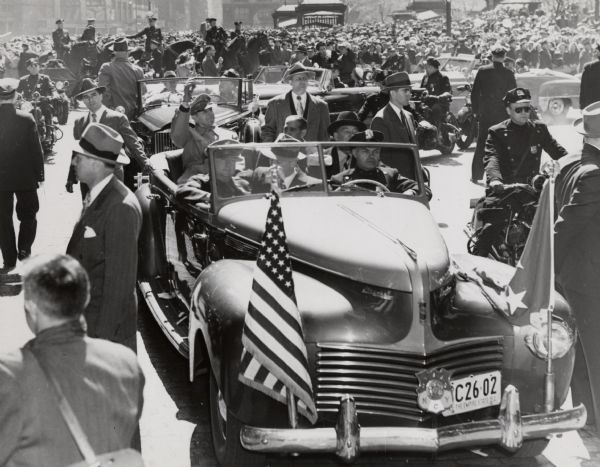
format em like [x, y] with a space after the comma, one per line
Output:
[243, 170]
[274, 75]
[169, 91]
[459, 64]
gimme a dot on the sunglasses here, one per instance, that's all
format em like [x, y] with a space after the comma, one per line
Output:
[522, 109]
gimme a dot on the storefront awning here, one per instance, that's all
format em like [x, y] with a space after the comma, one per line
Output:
[323, 13]
[287, 23]
[425, 15]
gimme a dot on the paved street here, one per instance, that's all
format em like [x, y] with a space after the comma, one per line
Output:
[175, 426]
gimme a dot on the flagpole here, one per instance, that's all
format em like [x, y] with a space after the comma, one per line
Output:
[292, 412]
[549, 376]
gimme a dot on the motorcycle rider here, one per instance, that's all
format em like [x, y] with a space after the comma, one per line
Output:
[40, 83]
[439, 90]
[512, 155]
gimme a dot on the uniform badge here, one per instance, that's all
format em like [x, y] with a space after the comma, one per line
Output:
[434, 393]
[534, 149]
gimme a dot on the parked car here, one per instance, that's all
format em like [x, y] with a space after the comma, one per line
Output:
[552, 92]
[158, 99]
[399, 339]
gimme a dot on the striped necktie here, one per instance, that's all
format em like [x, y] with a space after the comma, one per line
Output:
[299, 106]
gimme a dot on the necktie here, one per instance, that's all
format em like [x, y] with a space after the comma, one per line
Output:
[86, 204]
[299, 106]
[405, 123]
[93, 117]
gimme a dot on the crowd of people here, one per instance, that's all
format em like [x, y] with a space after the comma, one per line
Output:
[96, 283]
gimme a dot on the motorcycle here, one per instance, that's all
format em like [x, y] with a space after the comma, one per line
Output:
[441, 137]
[466, 121]
[501, 223]
[48, 130]
[61, 102]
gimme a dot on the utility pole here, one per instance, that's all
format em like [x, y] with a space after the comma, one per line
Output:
[449, 17]
[597, 9]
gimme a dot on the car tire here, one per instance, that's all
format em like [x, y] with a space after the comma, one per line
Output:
[226, 433]
[557, 108]
[531, 448]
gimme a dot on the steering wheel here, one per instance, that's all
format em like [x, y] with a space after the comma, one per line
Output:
[359, 181]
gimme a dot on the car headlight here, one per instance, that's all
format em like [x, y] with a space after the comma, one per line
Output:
[563, 338]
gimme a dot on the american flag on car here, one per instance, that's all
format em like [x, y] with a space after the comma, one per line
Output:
[274, 358]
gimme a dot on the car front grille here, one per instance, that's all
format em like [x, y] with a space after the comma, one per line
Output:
[384, 382]
[163, 142]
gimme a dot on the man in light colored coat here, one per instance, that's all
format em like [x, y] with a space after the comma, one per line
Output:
[297, 102]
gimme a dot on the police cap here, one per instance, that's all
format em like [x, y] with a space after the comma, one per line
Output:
[517, 95]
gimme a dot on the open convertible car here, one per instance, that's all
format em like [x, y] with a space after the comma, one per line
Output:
[406, 353]
[158, 99]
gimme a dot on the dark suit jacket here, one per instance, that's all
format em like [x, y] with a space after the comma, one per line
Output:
[105, 243]
[118, 122]
[589, 91]
[21, 157]
[394, 131]
[279, 107]
[577, 229]
[260, 181]
[490, 85]
[102, 382]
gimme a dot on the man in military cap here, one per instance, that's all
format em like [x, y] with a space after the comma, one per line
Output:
[237, 31]
[22, 172]
[491, 84]
[89, 33]
[590, 91]
[60, 39]
[151, 32]
[512, 155]
[368, 167]
[513, 147]
[216, 35]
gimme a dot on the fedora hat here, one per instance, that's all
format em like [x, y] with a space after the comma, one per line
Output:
[302, 49]
[101, 142]
[346, 118]
[296, 69]
[201, 103]
[396, 81]
[88, 85]
[119, 45]
[8, 87]
[223, 151]
[285, 153]
[589, 123]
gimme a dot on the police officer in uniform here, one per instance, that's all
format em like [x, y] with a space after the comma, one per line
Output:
[439, 90]
[151, 32]
[590, 91]
[21, 172]
[216, 36]
[397, 62]
[89, 33]
[376, 101]
[512, 155]
[514, 146]
[491, 83]
[368, 167]
[60, 39]
[237, 31]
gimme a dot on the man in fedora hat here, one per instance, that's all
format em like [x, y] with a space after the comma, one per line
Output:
[91, 95]
[89, 33]
[151, 32]
[368, 166]
[60, 39]
[21, 173]
[297, 101]
[491, 84]
[284, 172]
[301, 56]
[105, 238]
[589, 92]
[342, 129]
[120, 78]
[577, 255]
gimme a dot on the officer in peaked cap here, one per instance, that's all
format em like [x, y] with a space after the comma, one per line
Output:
[151, 32]
[514, 146]
[367, 166]
[491, 83]
[89, 33]
[60, 39]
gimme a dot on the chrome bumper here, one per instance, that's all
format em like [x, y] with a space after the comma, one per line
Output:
[347, 438]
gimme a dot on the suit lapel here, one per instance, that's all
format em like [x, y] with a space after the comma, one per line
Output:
[288, 96]
[102, 118]
[308, 109]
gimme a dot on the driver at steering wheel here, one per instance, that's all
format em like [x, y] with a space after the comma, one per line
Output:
[368, 167]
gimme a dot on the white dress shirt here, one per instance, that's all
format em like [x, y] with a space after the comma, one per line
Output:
[98, 187]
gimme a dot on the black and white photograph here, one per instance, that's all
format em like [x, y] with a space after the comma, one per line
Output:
[295, 233]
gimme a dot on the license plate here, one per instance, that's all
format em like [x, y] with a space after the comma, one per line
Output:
[475, 392]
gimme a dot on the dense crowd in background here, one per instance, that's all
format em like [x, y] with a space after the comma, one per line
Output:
[533, 40]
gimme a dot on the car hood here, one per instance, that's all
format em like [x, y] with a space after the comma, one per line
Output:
[157, 118]
[353, 236]
[267, 91]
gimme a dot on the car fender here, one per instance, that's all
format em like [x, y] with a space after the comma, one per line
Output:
[150, 261]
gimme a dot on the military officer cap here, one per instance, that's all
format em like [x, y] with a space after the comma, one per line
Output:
[367, 136]
[201, 103]
[499, 51]
[31, 62]
[517, 96]
[224, 151]
[152, 17]
[237, 23]
[91, 20]
[59, 21]
[210, 20]
[8, 87]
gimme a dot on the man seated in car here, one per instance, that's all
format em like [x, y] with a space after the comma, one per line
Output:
[368, 167]
[168, 94]
[284, 172]
[227, 162]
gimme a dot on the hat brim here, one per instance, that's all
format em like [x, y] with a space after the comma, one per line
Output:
[122, 158]
[338, 123]
[579, 127]
[402, 86]
[83, 93]
[268, 152]
[287, 77]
